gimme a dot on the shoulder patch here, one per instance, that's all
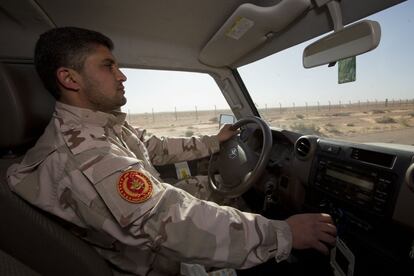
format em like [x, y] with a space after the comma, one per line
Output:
[134, 186]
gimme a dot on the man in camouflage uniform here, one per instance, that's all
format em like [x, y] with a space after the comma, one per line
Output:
[92, 169]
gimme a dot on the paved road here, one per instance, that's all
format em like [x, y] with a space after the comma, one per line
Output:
[402, 136]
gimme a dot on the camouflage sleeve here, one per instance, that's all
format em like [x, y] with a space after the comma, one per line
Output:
[175, 224]
[196, 231]
[168, 150]
[172, 150]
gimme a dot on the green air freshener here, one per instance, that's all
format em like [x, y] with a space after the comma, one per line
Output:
[347, 70]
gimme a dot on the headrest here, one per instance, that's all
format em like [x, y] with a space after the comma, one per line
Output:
[25, 106]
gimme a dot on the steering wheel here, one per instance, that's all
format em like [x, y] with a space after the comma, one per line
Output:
[237, 164]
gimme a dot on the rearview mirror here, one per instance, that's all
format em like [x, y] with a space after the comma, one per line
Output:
[351, 41]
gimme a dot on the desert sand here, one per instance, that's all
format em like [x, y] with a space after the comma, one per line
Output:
[348, 122]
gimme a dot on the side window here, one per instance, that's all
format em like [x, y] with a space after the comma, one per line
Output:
[171, 103]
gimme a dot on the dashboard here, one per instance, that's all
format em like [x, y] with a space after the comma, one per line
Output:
[367, 189]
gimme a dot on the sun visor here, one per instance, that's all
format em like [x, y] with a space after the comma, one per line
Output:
[249, 27]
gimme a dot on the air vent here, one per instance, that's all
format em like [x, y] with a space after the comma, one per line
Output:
[373, 157]
[302, 147]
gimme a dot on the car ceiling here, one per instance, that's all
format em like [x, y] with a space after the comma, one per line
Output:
[158, 33]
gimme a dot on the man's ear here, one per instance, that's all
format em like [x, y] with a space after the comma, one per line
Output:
[67, 78]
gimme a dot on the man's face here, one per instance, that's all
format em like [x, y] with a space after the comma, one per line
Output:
[101, 82]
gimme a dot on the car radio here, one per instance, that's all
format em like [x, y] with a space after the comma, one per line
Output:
[361, 189]
[359, 186]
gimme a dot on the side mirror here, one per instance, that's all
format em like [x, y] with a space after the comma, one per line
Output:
[351, 41]
[226, 119]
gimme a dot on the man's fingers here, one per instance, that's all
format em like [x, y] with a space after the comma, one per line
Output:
[226, 132]
[326, 238]
[328, 228]
[321, 248]
[233, 128]
[325, 218]
[326, 234]
[313, 231]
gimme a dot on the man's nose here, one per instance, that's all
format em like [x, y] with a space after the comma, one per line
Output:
[120, 75]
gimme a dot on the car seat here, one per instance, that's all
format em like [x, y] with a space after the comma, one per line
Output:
[31, 241]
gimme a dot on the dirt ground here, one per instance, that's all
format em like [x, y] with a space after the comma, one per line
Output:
[348, 122]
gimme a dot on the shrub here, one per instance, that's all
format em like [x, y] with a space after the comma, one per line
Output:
[214, 120]
[341, 114]
[404, 122]
[385, 120]
[350, 124]
[377, 111]
[300, 116]
[305, 129]
[189, 133]
[334, 130]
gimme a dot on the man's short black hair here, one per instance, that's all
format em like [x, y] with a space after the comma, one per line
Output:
[65, 47]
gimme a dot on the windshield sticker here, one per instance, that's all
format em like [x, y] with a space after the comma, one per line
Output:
[240, 27]
[347, 70]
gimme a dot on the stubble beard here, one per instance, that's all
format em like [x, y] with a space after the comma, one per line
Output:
[102, 102]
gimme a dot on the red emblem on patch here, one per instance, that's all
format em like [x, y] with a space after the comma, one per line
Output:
[134, 186]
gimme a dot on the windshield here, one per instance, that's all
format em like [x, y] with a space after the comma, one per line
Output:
[377, 107]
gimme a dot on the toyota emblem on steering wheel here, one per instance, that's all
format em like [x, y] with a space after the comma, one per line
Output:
[233, 153]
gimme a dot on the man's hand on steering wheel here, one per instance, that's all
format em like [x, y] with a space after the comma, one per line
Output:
[226, 132]
[238, 165]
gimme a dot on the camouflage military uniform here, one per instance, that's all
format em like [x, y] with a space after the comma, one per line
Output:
[91, 169]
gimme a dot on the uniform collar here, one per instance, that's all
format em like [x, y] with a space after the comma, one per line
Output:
[73, 114]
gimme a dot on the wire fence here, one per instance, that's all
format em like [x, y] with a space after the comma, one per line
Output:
[332, 119]
[198, 114]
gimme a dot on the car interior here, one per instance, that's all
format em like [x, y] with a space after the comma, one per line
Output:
[371, 205]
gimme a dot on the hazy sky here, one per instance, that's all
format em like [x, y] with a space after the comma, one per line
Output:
[386, 72]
